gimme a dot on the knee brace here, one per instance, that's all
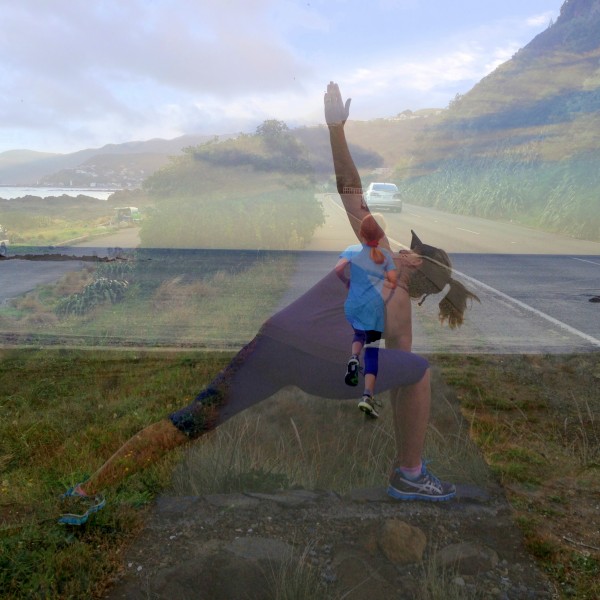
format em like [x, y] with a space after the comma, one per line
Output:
[371, 360]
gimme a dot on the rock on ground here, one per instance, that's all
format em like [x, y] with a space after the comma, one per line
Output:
[361, 546]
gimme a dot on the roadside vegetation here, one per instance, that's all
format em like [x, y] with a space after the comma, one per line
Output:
[33, 221]
[253, 192]
[171, 298]
[536, 420]
[514, 184]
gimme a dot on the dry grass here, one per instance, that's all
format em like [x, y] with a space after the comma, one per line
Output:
[536, 420]
[297, 439]
[181, 309]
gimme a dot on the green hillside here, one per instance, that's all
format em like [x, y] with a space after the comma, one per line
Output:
[523, 143]
[255, 191]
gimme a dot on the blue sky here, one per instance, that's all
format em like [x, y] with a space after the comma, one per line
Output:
[83, 73]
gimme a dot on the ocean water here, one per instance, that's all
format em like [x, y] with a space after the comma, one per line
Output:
[11, 193]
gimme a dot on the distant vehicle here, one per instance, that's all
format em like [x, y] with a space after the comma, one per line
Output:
[127, 214]
[3, 241]
[384, 196]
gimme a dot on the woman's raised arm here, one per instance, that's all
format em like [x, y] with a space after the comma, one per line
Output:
[348, 181]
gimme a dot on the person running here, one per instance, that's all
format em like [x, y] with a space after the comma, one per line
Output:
[314, 327]
[372, 277]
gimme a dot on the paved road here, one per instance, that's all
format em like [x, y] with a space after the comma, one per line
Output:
[454, 233]
[534, 286]
[536, 300]
[18, 277]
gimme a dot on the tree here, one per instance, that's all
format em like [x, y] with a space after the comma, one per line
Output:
[272, 129]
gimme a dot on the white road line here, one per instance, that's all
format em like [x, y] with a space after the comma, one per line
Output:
[468, 231]
[591, 262]
[535, 311]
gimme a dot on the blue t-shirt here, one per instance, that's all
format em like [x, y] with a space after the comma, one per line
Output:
[364, 306]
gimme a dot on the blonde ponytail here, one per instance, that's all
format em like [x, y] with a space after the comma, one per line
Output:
[377, 256]
[371, 232]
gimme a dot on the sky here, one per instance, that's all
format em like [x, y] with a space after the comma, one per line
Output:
[79, 74]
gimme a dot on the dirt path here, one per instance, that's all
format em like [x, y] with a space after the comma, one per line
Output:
[128, 237]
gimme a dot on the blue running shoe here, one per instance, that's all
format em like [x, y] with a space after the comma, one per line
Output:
[85, 506]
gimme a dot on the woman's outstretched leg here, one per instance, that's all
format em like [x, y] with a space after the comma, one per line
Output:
[242, 383]
[139, 451]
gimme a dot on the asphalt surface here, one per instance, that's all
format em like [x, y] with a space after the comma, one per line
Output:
[535, 288]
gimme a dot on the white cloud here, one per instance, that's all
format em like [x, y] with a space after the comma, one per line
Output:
[540, 20]
[115, 70]
[418, 74]
[74, 66]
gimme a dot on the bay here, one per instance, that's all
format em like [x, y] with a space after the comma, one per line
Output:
[12, 192]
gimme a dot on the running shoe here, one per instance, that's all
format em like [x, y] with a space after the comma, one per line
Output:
[79, 506]
[368, 405]
[352, 370]
[426, 487]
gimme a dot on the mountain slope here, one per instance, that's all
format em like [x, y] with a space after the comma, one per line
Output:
[548, 92]
[26, 167]
[523, 143]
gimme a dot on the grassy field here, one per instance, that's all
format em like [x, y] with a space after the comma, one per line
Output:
[537, 421]
[64, 411]
[38, 222]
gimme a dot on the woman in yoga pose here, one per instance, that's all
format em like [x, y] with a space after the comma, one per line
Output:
[304, 345]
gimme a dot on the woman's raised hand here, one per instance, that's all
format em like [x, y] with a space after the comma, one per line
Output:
[336, 112]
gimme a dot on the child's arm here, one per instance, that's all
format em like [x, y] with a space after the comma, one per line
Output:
[340, 271]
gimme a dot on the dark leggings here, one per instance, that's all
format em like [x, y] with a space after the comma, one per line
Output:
[267, 365]
[304, 345]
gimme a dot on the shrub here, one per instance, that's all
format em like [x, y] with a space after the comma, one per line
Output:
[100, 291]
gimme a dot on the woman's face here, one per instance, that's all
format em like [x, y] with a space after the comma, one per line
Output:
[409, 259]
[431, 276]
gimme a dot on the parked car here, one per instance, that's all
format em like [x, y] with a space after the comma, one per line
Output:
[383, 196]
